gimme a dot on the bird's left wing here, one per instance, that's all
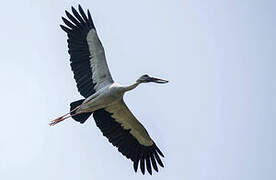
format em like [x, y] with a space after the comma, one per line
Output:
[87, 55]
[124, 131]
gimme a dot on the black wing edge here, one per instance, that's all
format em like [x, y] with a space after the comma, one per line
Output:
[128, 145]
[77, 22]
[77, 27]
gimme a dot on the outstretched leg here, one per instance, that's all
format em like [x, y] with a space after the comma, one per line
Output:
[62, 118]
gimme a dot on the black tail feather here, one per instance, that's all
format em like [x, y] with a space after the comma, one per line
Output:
[81, 117]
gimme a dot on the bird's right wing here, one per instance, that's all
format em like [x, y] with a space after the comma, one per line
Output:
[87, 55]
[124, 131]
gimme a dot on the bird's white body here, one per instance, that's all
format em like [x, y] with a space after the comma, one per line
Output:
[104, 97]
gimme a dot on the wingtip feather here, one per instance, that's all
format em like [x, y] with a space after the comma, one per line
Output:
[89, 17]
[158, 159]
[159, 152]
[148, 165]
[67, 30]
[83, 13]
[135, 165]
[153, 162]
[142, 165]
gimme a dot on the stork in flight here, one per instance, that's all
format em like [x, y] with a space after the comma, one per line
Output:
[104, 97]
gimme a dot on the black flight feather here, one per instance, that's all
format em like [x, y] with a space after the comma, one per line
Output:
[127, 144]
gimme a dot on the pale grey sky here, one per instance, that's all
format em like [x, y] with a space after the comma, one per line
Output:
[214, 120]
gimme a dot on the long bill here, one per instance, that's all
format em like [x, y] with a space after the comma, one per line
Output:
[157, 80]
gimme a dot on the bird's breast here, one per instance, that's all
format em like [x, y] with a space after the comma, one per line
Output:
[104, 98]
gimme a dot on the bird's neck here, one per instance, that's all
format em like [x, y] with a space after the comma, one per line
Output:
[128, 88]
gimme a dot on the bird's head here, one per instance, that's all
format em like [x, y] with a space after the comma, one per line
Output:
[146, 78]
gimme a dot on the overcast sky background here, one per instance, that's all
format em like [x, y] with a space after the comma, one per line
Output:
[214, 120]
